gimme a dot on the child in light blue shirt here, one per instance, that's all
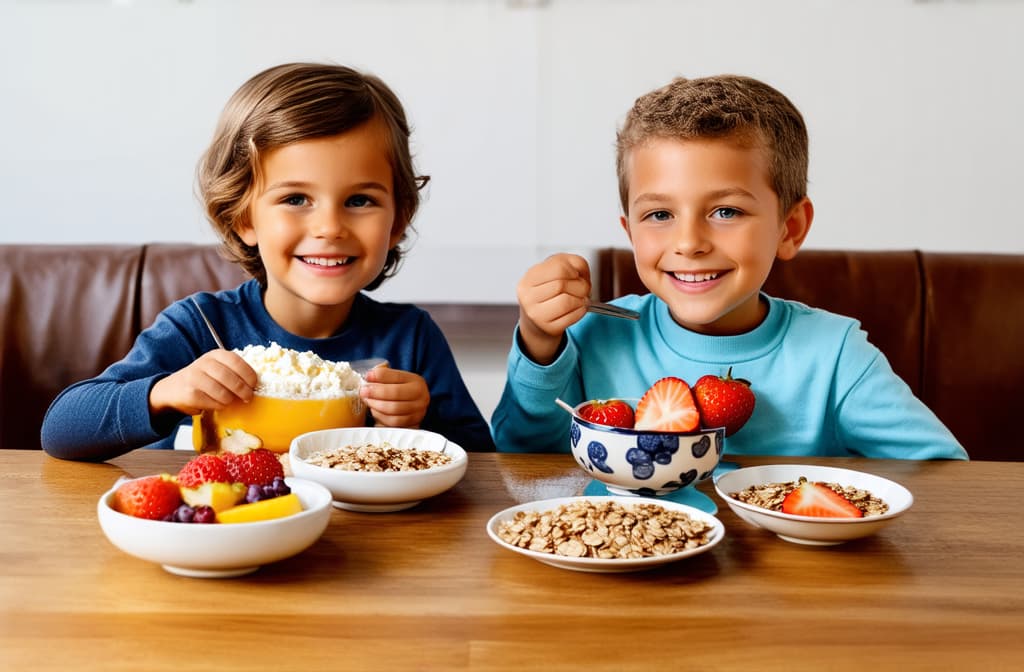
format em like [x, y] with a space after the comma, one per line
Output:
[712, 179]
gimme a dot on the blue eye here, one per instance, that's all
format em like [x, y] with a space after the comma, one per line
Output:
[358, 201]
[295, 199]
[726, 213]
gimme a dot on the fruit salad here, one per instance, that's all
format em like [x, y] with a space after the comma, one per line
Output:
[213, 488]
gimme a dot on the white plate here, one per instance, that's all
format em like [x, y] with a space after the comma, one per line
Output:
[808, 529]
[599, 564]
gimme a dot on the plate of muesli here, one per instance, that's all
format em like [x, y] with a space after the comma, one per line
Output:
[814, 505]
[605, 534]
[378, 469]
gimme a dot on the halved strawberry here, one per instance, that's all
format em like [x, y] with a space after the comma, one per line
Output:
[205, 468]
[611, 412]
[668, 407]
[152, 497]
[821, 501]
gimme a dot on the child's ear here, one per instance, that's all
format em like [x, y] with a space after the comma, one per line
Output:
[625, 227]
[795, 229]
[397, 231]
[244, 230]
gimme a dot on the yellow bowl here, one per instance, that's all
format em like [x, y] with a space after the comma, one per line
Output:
[276, 421]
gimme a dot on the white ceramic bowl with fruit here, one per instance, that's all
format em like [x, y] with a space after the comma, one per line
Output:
[650, 446]
[219, 549]
[354, 450]
[824, 527]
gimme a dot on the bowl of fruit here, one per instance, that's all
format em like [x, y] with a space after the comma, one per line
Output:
[219, 516]
[810, 504]
[669, 439]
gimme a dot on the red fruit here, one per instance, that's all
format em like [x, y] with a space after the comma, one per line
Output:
[815, 499]
[724, 402]
[667, 407]
[152, 497]
[258, 466]
[206, 468]
[612, 412]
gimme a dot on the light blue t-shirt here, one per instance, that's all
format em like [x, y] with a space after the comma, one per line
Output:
[822, 389]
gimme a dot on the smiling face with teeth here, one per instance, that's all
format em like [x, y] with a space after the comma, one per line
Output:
[706, 226]
[323, 217]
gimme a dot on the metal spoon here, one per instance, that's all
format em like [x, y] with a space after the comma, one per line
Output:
[213, 332]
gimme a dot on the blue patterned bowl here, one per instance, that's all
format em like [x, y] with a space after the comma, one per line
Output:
[644, 462]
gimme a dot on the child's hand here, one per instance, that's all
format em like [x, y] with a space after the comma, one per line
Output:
[211, 382]
[552, 296]
[396, 398]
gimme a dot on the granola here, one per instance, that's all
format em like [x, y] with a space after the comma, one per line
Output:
[770, 496]
[373, 457]
[605, 530]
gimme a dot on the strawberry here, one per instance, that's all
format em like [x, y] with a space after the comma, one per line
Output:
[206, 468]
[612, 412]
[724, 402]
[667, 407]
[258, 466]
[152, 497]
[821, 501]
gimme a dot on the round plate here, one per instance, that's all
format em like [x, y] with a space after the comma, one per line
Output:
[599, 564]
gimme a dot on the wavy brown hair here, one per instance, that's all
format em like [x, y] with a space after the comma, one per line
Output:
[285, 104]
[733, 107]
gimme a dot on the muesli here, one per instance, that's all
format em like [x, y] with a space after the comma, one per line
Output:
[770, 495]
[374, 457]
[605, 530]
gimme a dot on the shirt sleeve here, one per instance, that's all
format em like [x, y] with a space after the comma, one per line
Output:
[526, 419]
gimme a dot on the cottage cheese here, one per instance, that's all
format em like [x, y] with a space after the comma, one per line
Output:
[289, 374]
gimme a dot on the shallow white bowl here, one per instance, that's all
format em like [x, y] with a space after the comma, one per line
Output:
[382, 491]
[603, 565]
[644, 462]
[809, 529]
[216, 550]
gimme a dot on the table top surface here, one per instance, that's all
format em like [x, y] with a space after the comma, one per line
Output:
[942, 587]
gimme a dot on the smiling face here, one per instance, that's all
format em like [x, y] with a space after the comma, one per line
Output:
[323, 217]
[705, 227]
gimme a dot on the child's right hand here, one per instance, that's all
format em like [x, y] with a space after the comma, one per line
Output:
[553, 295]
[211, 382]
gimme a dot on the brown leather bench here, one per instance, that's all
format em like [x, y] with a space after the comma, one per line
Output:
[950, 324]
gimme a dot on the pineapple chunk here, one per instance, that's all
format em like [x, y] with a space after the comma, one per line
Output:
[266, 509]
[218, 496]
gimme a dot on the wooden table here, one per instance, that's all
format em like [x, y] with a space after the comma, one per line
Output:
[940, 588]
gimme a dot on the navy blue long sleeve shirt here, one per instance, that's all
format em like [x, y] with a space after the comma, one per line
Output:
[108, 415]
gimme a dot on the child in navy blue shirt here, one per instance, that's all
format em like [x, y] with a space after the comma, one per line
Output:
[310, 185]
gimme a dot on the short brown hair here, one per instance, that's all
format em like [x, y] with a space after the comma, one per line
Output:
[725, 106]
[285, 104]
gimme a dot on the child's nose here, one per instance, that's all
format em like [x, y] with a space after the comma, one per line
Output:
[329, 223]
[690, 236]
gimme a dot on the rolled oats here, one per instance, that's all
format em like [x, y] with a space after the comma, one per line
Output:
[605, 530]
[770, 496]
[372, 457]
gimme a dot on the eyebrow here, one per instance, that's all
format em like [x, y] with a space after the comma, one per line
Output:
[714, 195]
[298, 184]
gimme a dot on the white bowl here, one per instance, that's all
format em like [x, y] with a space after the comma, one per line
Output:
[809, 529]
[380, 491]
[644, 462]
[216, 550]
[600, 564]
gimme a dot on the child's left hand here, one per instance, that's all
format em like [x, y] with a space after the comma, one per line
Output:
[396, 398]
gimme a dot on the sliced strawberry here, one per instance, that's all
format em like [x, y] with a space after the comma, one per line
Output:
[259, 466]
[611, 412]
[152, 497]
[206, 468]
[815, 499]
[668, 407]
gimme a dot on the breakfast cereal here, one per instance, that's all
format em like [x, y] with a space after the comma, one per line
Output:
[373, 457]
[605, 530]
[770, 495]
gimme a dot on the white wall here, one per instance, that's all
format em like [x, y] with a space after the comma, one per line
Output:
[913, 107]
